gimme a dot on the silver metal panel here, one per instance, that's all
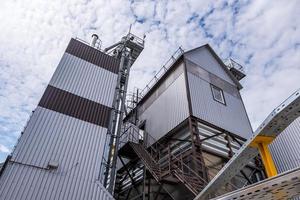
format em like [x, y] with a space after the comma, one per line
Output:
[287, 143]
[51, 136]
[211, 78]
[85, 79]
[168, 110]
[75, 145]
[273, 125]
[284, 186]
[20, 182]
[231, 117]
[161, 87]
[216, 144]
[203, 57]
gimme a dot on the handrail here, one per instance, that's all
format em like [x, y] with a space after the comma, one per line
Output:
[172, 158]
[162, 71]
[154, 149]
[230, 63]
[135, 38]
[131, 134]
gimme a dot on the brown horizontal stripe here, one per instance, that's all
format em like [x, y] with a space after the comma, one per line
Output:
[75, 106]
[92, 55]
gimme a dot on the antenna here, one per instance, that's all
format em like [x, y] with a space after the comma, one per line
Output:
[129, 31]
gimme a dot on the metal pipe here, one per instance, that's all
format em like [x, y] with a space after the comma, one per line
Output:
[94, 40]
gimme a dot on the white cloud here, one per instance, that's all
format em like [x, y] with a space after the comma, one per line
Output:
[4, 149]
[262, 35]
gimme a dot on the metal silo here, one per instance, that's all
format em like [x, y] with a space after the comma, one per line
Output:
[63, 150]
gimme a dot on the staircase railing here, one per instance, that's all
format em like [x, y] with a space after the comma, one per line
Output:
[175, 160]
[168, 161]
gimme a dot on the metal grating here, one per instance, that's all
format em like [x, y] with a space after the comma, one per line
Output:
[283, 187]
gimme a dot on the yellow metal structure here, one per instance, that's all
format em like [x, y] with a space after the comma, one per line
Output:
[262, 142]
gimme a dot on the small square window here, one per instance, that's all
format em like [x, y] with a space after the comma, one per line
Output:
[218, 94]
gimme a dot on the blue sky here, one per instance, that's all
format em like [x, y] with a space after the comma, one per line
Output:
[264, 36]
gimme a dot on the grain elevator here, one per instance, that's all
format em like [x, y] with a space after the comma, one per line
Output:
[61, 153]
[186, 135]
[185, 125]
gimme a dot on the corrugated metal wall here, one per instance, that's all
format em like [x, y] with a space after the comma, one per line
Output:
[54, 136]
[231, 117]
[85, 79]
[286, 148]
[65, 129]
[217, 144]
[169, 109]
[28, 183]
[203, 57]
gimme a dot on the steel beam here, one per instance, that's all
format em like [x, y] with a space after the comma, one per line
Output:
[262, 142]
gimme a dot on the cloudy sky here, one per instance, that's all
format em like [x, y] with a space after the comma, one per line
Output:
[262, 35]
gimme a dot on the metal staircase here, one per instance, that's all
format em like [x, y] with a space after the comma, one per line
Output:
[162, 163]
[147, 160]
[188, 177]
[191, 182]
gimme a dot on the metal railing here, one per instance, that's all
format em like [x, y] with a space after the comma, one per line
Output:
[162, 71]
[230, 63]
[135, 39]
[167, 161]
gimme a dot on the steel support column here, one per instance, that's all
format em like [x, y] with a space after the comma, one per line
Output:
[197, 156]
[262, 142]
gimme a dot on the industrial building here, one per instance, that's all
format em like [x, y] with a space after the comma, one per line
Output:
[186, 135]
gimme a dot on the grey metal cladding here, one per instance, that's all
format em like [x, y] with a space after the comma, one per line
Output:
[162, 87]
[168, 110]
[217, 144]
[212, 78]
[73, 143]
[75, 106]
[287, 143]
[204, 58]
[231, 117]
[92, 55]
[85, 79]
[20, 182]
[77, 146]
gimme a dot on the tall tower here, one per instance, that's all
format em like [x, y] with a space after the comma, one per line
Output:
[188, 122]
[63, 150]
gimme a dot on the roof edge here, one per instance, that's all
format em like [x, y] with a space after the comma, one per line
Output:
[219, 60]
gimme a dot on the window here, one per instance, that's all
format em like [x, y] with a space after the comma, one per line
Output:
[218, 94]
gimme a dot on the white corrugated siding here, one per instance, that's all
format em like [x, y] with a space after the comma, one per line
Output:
[286, 148]
[85, 79]
[217, 144]
[77, 146]
[168, 110]
[203, 57]
[231, 117]
[50, 135]
[28, 183]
